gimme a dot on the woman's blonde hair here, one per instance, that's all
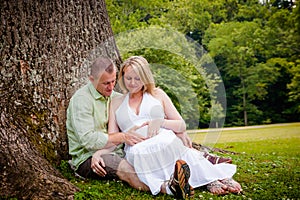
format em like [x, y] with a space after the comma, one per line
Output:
[141, 66]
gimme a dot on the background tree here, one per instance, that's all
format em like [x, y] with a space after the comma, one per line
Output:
[43, 47]
[235, 48]
[263, 46]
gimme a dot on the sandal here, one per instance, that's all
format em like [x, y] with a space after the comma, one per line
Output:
[232, 185]
[179, 184]
[217, 188]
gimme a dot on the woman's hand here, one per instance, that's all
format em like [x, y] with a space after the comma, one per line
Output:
[131, 137]
[154, 126]
[186, 140]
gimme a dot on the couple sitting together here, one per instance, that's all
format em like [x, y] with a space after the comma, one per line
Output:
[158, 154]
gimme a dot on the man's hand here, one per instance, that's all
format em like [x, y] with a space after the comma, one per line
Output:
[185, 139]
[98, 164]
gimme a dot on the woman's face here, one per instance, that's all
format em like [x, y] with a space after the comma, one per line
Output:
[132, 80]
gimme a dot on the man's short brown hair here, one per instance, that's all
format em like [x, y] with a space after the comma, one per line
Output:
[101, 64]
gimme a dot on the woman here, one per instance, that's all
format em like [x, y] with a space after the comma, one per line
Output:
[152, 111]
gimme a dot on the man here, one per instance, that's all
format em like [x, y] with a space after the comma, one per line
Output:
[87, 118]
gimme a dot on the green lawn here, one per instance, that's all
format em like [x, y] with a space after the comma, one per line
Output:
[267, 159]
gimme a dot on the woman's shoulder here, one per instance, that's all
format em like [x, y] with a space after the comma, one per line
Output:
[159, 93]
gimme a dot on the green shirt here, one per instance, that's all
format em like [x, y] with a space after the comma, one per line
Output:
[87, 119]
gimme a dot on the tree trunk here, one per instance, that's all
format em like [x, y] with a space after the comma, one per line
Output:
[45, 49]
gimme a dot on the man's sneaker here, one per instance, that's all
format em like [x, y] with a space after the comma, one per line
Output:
[216, 159]
[179, 183]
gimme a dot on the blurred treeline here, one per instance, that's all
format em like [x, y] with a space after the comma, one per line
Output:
[254, 45]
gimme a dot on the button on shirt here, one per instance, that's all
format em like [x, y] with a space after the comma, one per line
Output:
[87, 119]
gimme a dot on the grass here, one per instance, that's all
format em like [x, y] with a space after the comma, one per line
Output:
[267, 159]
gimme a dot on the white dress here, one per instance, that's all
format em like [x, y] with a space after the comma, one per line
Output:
[154, 159]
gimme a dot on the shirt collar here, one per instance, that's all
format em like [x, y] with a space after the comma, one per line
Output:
[96, 94]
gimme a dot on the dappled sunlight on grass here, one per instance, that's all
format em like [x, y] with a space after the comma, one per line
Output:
[268, 169]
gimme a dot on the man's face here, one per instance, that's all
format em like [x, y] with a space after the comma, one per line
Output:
[106, 83]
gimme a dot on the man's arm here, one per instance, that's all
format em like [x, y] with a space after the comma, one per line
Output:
[82, 118]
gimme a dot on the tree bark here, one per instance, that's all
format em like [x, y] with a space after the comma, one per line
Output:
[45, 49]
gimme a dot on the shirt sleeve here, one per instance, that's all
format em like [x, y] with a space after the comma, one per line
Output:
[88, 134]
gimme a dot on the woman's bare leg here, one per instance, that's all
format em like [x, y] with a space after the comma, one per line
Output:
[126, 173]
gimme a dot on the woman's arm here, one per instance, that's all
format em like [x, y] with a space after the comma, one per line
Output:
[173, 119]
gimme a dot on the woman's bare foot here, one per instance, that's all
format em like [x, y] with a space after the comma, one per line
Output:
[218, 188]
[232, 185]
